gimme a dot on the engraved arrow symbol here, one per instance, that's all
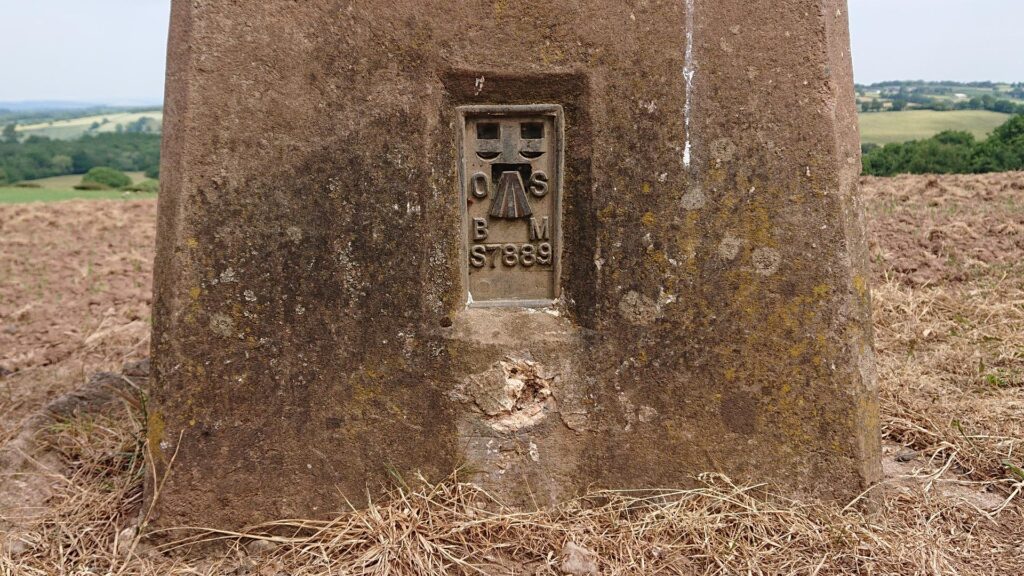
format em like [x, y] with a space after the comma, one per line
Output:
[510, 201]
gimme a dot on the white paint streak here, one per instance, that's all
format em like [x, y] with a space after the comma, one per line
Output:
[688, 73]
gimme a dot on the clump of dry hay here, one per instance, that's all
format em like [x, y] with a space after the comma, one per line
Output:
[948, 392]
[455, 528]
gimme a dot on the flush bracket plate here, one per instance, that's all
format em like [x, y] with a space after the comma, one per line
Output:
[511, 170]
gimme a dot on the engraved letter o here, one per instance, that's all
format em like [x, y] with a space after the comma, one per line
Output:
[478, 185]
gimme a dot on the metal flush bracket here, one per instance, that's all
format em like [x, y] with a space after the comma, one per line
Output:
[511, 173]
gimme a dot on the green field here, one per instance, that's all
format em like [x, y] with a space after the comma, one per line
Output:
[889, 127]
[69, 181]
[26, 195]
[62, 188]
[76, 127]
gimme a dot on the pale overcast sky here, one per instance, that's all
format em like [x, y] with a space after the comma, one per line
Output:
[113, 50]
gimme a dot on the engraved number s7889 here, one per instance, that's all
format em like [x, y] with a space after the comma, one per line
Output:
[510, 255]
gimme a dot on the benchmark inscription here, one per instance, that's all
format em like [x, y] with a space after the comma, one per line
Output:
[511, 172]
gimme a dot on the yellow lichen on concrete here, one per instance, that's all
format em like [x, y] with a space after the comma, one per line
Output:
[155, 429]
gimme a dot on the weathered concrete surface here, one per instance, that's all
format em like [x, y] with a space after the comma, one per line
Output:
[311, 335]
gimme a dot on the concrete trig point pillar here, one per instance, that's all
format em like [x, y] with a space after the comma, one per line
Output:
[569, 244]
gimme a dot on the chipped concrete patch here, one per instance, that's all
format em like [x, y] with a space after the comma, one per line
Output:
[515, 394]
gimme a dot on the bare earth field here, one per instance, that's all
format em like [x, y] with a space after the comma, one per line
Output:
[948, 258]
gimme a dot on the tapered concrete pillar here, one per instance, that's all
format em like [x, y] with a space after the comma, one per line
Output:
[571, 244]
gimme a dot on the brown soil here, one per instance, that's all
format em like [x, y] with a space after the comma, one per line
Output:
[930, 230]
[948, 287]
[75, 292]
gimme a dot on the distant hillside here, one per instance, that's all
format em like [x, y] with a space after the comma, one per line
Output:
[41, 112]
[41, 105]
[902, 95]
[147, 121]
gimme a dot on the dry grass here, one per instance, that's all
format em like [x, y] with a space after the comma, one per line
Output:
[950, 333]
[951, 368]
[454, 528]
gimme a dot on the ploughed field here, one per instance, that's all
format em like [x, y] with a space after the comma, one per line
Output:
[948, 265]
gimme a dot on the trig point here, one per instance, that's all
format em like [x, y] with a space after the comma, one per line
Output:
[562, 245]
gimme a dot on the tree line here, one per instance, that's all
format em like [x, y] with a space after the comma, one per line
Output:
[951, 152]
[41, 157]
[901, 101]
[940, 96]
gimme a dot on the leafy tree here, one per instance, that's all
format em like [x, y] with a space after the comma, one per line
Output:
[1004, 106]
[35, 156]
[11, 133]
[1011, 132]
[951, 152]
[62, 163]
[143, 124]
[105, 176]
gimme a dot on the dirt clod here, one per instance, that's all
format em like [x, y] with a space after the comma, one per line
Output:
[579, 561]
